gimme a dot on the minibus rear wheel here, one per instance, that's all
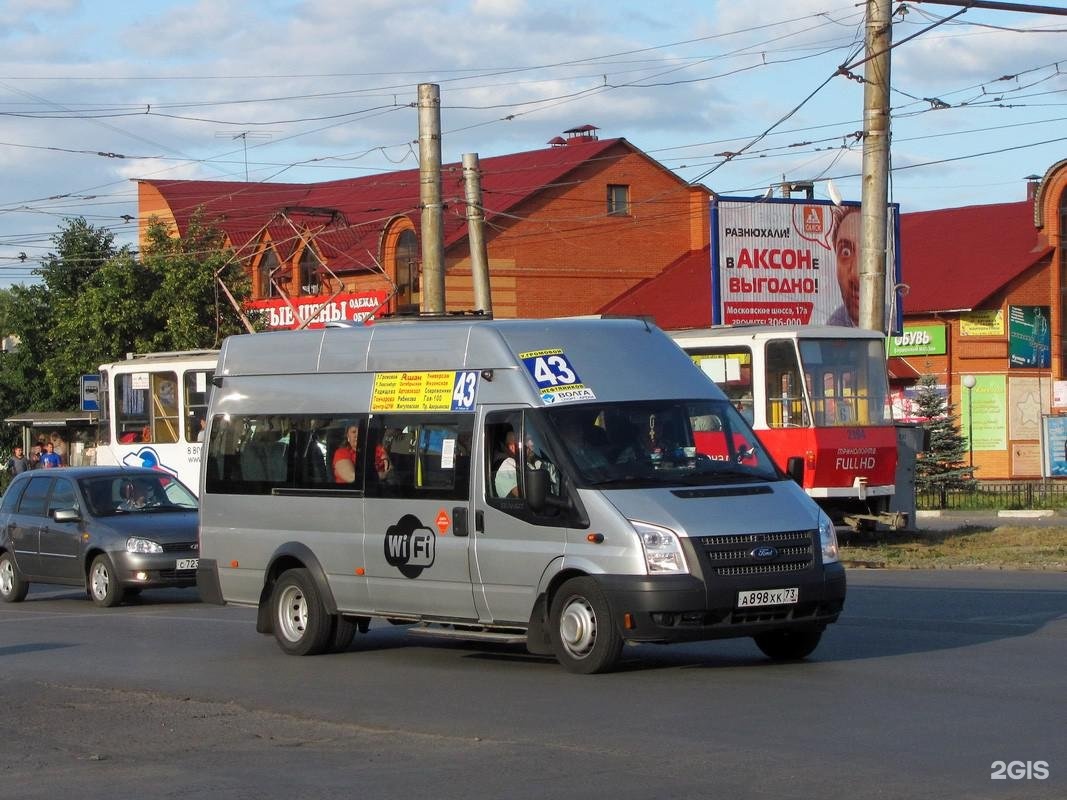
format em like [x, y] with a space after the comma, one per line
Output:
[301, 624]
[583, 636]
[788, 645]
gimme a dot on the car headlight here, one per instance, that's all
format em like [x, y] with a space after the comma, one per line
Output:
[663, 550]
[828, 539]
[135, 544]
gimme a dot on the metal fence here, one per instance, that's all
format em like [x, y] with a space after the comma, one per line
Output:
[997, 495]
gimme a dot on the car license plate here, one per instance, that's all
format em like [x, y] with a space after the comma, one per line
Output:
[187, 563]
[768, 597]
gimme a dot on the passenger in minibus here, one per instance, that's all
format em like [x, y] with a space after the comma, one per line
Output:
[344, 457]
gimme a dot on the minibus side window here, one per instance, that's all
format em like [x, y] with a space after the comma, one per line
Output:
[256, 454]
[513, 445]
[419, 456]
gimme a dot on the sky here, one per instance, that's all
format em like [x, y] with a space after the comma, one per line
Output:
[97, 94]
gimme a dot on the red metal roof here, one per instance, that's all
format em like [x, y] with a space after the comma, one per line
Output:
[679, 297]
[953, 259]
[368, 203]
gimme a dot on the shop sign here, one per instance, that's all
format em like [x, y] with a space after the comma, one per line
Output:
[982, 323]
[919, 340]
[280, 314]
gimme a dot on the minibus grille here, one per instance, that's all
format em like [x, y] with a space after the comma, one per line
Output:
[735, 554]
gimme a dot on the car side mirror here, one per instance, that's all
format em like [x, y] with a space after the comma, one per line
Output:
[66, 515]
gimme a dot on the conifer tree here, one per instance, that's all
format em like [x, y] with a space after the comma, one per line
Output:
[944, 464]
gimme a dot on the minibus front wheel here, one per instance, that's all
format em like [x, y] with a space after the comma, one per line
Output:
[584, 638]
[302, 625]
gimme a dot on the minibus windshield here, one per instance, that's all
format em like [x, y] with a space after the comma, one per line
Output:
[660, 443]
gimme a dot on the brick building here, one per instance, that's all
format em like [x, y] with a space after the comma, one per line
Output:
[568, 228]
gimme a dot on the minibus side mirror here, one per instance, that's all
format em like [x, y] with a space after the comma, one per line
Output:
[537, 495]
[536, 489]
[794, 468]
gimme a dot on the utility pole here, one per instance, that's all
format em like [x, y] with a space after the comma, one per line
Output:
[433, 243]
[875, 188]
[472, 185]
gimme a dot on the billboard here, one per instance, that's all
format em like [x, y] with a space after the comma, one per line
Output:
[1029, 337]
[779, 261]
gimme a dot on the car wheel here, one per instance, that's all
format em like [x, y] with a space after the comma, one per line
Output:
[788, 645]
[583, 635]
[103, 587]
[301, 624]
[343, 633]
[12, 588]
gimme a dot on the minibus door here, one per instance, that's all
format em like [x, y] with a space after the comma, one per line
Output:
[512, 545]
[416, 543]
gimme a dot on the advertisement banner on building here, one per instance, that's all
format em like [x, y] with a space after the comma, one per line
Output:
[983, 416]
[919, 340]
[1029, 337]
[982, 323]
[905, 402]
[779, 261]
[280, 314]
[1055, 461]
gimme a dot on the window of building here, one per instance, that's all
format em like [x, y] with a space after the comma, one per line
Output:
[310, 273]
[269, 274]
[407, 269]
[618, 199]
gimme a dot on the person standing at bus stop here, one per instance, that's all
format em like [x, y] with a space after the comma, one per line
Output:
[50, 458]
[18, 462]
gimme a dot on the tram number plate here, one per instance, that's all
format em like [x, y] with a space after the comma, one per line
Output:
[768, 597]
[187, 563]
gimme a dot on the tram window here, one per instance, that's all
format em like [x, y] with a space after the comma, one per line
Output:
[785, 389]
[197, 385]
[731, 369]
[146, 407]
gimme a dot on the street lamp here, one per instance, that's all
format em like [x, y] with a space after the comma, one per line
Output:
[968, 382]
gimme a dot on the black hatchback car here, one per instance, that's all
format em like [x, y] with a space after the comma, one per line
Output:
[113, 530]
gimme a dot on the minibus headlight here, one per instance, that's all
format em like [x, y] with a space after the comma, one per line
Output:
[828, 539]
[135, 544]
[663, 550]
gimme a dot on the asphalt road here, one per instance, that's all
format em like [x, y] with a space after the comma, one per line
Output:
[927, 681]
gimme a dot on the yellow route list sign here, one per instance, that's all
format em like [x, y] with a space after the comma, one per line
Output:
[413, 391]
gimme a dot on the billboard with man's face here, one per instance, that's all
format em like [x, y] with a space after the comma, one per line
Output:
[783, 261]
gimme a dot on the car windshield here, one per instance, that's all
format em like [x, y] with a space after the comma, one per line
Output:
[660, 443]
[111, 495]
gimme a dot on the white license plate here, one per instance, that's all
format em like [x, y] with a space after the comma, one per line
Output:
[187, 563]
[768, 597]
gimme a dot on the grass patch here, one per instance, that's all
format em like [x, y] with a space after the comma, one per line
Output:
[972, 547]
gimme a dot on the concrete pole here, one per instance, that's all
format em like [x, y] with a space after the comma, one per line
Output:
[472, 185]
[433, 242]
[875, 188]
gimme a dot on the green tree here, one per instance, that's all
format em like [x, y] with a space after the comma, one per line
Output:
[191, 309]
[944, 463]
[95, 303]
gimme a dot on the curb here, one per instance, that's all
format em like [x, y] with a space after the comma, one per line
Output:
[1030, 514]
